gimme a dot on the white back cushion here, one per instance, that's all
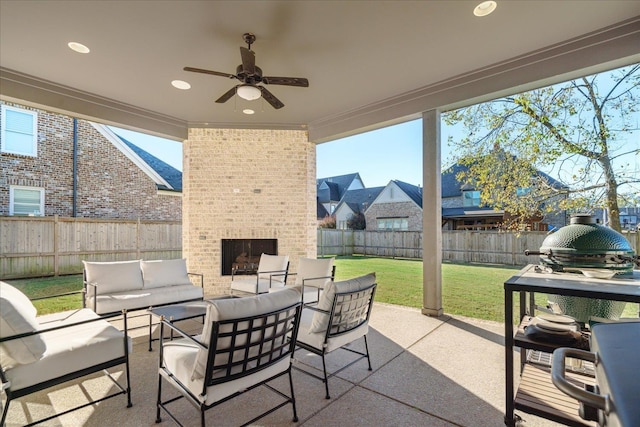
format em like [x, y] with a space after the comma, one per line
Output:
[311, 267]
[273, 263]
[238, 308]
[18, 316]
[320, 321]
[113, 277]
[160, 273]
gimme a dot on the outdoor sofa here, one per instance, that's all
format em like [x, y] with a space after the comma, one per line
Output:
[110, 287]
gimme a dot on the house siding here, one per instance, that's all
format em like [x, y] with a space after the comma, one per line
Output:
[109, 184]
[247, 184]
[408, 210]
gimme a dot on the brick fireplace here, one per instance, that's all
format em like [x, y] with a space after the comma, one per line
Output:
[246, 184]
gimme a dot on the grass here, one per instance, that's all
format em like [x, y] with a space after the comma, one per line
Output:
[469, 290]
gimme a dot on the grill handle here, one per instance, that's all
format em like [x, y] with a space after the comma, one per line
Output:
[560, 381]
[528, 252]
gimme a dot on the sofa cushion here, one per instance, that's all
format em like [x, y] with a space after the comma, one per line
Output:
[316, 339]
[161, 273]
[144, 298]
[110, 277]
[237, 308]
[70, 349]
[320, 320]
[270, 263]
[18, 316]
[312, 267]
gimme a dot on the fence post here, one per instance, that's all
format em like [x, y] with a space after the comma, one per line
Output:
[138, 238]
[56, 252]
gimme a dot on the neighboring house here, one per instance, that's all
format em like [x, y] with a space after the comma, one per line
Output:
[397, 207]
[629, 217]
[331, 190]
[353, 202]
[461, 208]
[113, 177]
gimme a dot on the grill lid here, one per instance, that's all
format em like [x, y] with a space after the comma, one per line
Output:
[585, 244]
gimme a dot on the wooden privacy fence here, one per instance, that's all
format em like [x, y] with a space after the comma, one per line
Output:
[489, 247]
[45, 246]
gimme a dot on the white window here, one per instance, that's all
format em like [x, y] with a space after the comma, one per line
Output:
[19, 131]
[26, 201]
[401, 224]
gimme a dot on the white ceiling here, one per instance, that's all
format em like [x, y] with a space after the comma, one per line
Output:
[369, 63]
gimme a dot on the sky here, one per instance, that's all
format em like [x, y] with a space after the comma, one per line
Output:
[394, 152]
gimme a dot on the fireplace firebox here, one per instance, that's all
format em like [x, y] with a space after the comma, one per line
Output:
[244, 254]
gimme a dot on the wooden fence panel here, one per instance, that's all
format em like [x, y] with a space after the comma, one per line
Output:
[32, 247]
[484, 247]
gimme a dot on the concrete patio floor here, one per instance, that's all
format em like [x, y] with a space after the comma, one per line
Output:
[446, 371]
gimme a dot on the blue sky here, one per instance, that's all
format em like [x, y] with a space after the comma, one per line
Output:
[394, 152]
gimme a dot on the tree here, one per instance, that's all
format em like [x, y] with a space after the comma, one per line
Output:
[357, 221]
[579, 131]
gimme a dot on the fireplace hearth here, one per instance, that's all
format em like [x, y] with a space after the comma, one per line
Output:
[244, 254]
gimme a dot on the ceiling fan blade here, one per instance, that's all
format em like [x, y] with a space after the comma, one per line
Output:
[286, 81]
[215, 73]
[270, 98]
[227, 95]
[248, 61]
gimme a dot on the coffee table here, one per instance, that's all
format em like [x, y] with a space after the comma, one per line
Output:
[176, 312]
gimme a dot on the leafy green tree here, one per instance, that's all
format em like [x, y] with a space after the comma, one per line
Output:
[582, 128]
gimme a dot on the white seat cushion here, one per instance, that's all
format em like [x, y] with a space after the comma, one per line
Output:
[316, 339]
[18, 316]
[110, 277]
[320, 320]
[269, 263]
[144, 298]
[160, 273]
[238, 308]
[311, 267]
[248, 284]
[70, 349]
[179, 358]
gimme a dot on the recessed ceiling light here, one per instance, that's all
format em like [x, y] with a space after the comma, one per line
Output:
[78, 47]
[485, 8]
[180, 84]
[248, 111]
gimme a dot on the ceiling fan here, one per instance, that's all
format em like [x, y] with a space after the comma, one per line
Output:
[250, 75]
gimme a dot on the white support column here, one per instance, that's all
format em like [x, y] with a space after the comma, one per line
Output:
[431, 215]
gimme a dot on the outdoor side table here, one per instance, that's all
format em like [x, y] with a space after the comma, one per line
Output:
[176, 312]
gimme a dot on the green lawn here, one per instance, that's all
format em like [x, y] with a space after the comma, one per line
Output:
[469, 290]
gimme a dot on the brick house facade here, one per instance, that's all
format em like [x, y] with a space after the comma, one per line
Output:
[112, 180]
[397, 207]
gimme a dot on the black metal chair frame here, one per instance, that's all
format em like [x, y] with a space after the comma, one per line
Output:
[85, 291]
[332, 277]
[272, 349]
[337, 326]
[274, 273]
[122, 389]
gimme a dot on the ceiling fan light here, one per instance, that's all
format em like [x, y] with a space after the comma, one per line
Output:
[248, 92]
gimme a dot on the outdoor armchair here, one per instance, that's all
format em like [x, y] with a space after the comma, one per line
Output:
[41, 352]
[313, 276]
[245, 343]
[340, 317]
[272, 272]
